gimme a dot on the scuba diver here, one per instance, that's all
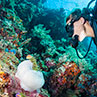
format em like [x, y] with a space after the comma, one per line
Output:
[81, 24]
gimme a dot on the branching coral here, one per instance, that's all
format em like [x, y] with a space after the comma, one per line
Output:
[26, 9]
[12, 31]
[41, 32]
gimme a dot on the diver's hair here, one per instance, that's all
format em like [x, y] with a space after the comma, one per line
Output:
[77, 13]
[74, 14]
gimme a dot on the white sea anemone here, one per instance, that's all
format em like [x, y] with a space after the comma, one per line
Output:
[30, 79]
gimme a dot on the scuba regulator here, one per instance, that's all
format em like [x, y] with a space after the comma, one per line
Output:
[70, 30]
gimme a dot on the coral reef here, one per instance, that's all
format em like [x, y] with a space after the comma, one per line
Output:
[28, 28]
[63, 78]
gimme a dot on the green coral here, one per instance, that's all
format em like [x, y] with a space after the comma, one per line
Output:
[46, 40]
[40, 31]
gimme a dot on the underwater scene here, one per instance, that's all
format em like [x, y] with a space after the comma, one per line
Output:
[38, 58]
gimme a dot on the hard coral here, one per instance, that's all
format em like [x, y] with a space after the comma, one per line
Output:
[63, 78]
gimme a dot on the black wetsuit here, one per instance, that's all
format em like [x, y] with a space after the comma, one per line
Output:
[94, 23]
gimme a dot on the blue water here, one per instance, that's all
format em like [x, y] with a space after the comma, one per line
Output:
[68, 5]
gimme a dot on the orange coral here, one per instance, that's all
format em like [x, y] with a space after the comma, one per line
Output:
[4, 78]
[70, 73]
[64, 77]
[64, 80]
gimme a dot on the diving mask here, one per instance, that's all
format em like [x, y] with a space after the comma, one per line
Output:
[70, 30]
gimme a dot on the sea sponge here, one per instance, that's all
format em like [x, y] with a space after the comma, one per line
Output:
[30, 79]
